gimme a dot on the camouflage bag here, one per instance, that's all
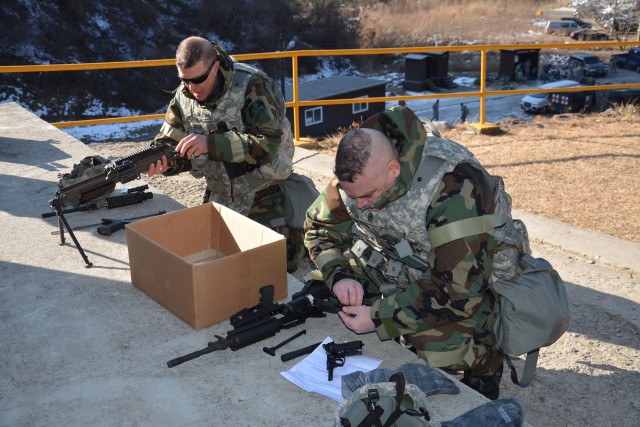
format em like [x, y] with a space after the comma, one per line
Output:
[397, 404]
[531, 309]
[392, 403]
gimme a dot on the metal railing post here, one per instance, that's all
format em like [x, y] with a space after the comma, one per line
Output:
[483, 83]
[294, 93]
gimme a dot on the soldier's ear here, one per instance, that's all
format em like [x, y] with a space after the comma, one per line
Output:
[394, 168]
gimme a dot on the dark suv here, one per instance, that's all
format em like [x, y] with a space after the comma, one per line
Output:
[592, 65]
[580, 22]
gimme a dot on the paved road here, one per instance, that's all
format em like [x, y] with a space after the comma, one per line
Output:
[503, 106]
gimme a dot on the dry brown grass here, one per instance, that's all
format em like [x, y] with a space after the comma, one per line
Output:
[427, 22]
[581, 170]
[460, 22]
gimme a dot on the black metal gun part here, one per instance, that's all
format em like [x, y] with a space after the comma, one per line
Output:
[130, 198]
[260, 327]
[122, 170]
[337, 354]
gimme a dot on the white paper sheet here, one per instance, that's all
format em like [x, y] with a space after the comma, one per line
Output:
[311, 374]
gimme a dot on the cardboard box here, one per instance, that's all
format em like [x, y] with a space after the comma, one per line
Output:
[206, 263]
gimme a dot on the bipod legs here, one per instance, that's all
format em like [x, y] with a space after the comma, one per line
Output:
[62, 222]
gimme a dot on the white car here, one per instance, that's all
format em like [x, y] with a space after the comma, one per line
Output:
[539, 102]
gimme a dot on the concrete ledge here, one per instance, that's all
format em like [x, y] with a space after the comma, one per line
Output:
[485, 128]
[597, 246]
[82, 346]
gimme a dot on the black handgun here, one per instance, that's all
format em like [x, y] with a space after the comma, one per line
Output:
[337, 353]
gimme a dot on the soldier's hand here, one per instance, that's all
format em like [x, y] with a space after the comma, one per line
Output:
[192, 145]
[349, 291]
[357, 318]
[158, 167]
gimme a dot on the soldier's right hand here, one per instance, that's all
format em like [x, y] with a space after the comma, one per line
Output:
[349, 291]
[158, 167]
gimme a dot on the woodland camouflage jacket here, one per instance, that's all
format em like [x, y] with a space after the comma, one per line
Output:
[261, 112]
[452, 294]
[249, 139]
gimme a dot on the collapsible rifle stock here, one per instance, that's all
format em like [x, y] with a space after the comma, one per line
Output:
[122, 170]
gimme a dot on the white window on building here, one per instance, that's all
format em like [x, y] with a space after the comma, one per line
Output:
[313, 116]
[360, 107]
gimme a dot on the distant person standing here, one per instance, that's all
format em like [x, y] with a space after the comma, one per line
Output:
[613, 69]
[436, 111]
[464, 112]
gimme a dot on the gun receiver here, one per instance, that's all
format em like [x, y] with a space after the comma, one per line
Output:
[122, 170]
[337, 354]
[260, 327]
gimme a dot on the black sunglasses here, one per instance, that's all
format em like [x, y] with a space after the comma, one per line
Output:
[198, 80]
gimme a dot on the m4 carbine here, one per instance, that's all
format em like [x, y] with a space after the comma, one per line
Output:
[261, 327]
[122, 170]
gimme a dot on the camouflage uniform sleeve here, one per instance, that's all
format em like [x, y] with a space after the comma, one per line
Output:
[460, 270]
[262, 113]
[327, 233]
[172, 130]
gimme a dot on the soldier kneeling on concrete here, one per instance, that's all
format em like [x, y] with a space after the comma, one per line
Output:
[378, 236]
[228, 119]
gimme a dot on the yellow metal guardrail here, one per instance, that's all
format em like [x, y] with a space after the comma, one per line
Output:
[296, 103]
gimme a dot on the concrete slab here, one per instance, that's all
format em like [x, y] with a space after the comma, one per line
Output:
[82, 346]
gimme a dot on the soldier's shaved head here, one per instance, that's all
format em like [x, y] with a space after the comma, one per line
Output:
[362, 148]
[367, 166]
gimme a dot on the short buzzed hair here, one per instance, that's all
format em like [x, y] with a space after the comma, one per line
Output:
[352, 155]
[193, 49]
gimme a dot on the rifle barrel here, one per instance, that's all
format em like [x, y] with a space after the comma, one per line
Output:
[221, 344]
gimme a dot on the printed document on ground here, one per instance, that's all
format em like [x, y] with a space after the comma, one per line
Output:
[311, 373]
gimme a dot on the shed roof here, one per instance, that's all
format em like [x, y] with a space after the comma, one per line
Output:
[332, 87]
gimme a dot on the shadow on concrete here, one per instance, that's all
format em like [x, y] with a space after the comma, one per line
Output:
[23, 151]
[38, 191]
[597, 311]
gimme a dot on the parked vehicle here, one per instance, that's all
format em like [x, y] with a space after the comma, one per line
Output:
[538, 102]
[629, 60]
[622, 97]
[580, 22]
[588, 34]
[561, 27]
[592, 101]
[592, 65]
[571, 102]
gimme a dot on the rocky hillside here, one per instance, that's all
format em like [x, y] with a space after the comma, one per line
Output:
[77, 31]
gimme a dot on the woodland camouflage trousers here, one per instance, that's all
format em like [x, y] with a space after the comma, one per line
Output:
[268, 205]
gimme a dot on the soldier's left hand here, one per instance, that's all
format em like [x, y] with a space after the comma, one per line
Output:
[357, 318]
